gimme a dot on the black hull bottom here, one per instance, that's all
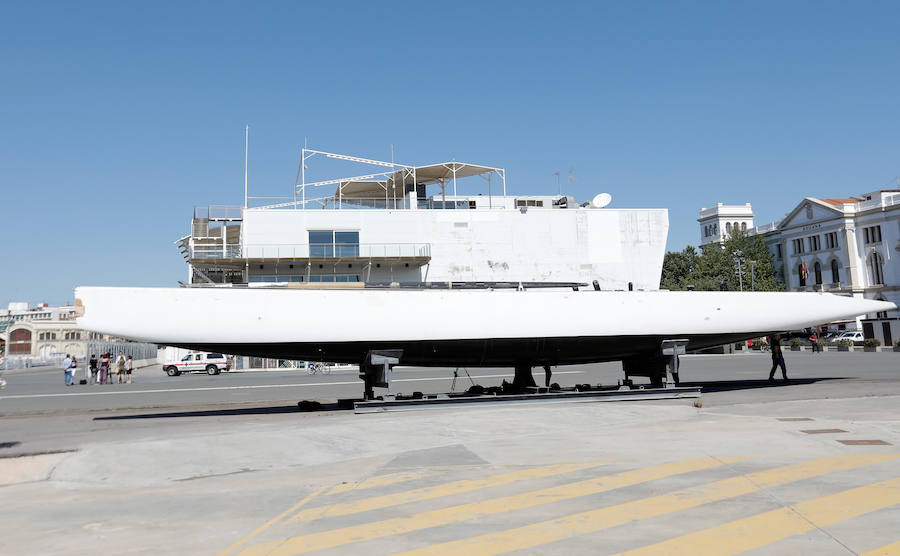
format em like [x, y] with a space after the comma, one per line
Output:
[505, 352]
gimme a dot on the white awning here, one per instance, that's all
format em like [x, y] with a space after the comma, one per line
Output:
[361, 189]
[436, 173]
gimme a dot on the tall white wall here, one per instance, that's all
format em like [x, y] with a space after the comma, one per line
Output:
[613, 246]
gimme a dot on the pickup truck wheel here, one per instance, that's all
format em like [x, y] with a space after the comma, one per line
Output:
[212, 370]
[172, 371]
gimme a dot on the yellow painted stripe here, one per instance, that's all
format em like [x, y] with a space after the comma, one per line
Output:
[892, 549]
[474, 510]
[612, 516]
[765, 528]
[382, 480]
[237, 544]
[438, 491]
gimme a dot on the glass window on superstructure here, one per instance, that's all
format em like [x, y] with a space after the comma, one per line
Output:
[279, 278]
[321, 243]
[346, 244]
[329, 244]
[334, 278]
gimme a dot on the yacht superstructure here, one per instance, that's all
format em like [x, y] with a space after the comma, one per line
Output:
[412, 224]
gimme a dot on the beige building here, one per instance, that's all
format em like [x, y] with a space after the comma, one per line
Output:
[45, 335]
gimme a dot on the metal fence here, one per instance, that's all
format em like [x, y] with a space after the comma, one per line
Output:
[135, 349]
[97, 347]
[7, 364]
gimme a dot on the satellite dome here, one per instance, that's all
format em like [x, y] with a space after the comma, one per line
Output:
[601, 200]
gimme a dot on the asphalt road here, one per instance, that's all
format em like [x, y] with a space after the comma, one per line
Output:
[725, 376]
[44, 391]
[227, 465]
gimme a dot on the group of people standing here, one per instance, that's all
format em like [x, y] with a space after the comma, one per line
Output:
[102, 369]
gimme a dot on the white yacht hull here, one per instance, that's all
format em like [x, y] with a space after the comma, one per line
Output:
[451, 327]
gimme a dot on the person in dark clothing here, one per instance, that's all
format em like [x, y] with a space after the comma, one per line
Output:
[777, 357]
[92, 365]
[547, 374]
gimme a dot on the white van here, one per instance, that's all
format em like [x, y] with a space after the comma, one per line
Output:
[212, 363]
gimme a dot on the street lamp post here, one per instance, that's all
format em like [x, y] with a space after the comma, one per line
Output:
[738, 258]
[752, 274]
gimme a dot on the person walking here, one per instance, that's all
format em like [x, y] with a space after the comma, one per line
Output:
[92, 366]
[120, 368]
[104, 368]
[67, 370]
[814, 340]
[74, 368]
[777, 357]
[129, 366]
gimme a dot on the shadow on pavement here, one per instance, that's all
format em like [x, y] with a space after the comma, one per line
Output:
[730, 385]
[314, 407]
[237, 411]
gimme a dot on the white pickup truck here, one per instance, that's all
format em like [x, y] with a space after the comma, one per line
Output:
[212, 363]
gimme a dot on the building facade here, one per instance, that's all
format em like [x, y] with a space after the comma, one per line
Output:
[717, 222]
[848, 245]
[45, 334]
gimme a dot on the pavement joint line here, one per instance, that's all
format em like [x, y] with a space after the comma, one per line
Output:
[765, 528]
[483, 508]
[565, 527]
[440, 491]
[248, 387]
[892, 549]
[240, 542]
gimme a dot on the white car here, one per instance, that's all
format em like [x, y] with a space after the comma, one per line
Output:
[855, 336]
[212, 363]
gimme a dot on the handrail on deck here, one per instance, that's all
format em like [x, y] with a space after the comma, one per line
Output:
[314, 251]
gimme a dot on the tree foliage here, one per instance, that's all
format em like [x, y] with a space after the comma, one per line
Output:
[714, 266]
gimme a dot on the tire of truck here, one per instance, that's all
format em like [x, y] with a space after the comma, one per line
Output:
[212, 370]
[172, 370]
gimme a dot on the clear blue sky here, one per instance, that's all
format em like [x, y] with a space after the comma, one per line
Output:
[117, 118]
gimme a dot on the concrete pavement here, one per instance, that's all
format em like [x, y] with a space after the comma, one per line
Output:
[808, 467]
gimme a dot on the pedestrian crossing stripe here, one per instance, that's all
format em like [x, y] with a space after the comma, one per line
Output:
[475, 510]
[892, 549]
[381, 480]
[605, 518]
[439, 491]
[765, 528]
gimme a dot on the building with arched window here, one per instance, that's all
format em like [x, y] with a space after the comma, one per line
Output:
[43, 332]
[875, 264]
[848, 246]
[718, 222]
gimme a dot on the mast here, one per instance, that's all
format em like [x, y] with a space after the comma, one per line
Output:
[246, 159]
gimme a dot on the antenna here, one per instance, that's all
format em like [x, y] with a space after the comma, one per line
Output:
[558, 187]
[246, 159]
[571, 178]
